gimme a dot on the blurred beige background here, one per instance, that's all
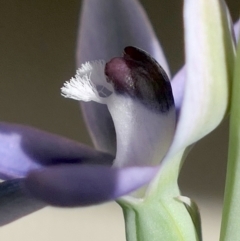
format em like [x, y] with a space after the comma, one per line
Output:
[37, 54]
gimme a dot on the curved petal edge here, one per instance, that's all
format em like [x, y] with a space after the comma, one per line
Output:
[74, 185]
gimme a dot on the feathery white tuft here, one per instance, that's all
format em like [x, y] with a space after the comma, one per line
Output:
[84, 85]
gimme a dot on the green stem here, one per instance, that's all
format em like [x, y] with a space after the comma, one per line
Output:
[159, 215]
[230, 229]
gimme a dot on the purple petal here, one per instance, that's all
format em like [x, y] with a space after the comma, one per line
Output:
[237, 29]
[75, 185]
[106, 28]
[24, 148]
[14, 203]
[178, 84]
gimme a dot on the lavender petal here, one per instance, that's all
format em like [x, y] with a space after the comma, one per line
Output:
[237, 29]
[178, 84]
[24, 148]
[75, 185]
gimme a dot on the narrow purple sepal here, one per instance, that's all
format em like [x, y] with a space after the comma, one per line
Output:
[15, 203]
[74, 185]
[178, 84]
[24, 148]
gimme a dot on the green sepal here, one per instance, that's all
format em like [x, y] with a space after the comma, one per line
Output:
[158, 215]
[193, 210]
[231, 209]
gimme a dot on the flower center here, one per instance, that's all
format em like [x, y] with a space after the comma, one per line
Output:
[139, 98]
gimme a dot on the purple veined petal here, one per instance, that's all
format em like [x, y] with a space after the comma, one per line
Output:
[24, 148]
[237, 29]
[106, 28]
[209, 61]
[15, 203]
[76, 185]
[178, 84]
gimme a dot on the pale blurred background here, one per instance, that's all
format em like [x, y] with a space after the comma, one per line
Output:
[37, 54]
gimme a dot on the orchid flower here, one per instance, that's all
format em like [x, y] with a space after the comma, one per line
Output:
[139, 139]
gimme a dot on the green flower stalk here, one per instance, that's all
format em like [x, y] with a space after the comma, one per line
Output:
[231, 211]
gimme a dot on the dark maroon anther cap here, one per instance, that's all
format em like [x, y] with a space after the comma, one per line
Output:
[140, 77]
